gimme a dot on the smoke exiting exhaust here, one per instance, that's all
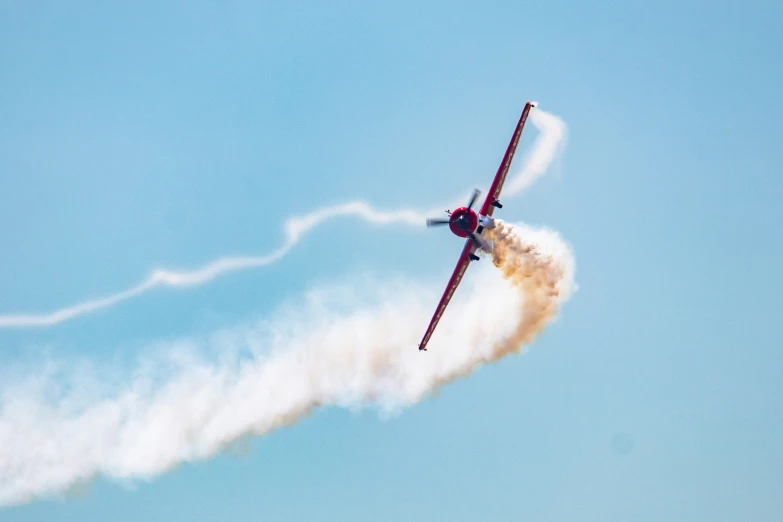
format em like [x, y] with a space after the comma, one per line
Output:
[549, 142]
[339, 346]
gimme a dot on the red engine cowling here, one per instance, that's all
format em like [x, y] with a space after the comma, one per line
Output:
[463, 222]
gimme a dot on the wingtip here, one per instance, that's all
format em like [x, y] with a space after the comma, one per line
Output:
[533, 103]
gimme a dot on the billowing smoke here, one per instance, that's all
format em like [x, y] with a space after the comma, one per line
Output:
[351, 345]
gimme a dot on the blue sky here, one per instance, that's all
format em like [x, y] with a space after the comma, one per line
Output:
[145, 136]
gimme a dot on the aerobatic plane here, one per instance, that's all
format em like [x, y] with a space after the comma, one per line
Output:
[466, 223]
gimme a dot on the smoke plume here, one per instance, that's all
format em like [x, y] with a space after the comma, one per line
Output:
[351, 345]
[339, 345]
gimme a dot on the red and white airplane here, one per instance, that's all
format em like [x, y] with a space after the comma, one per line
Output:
[465, 222]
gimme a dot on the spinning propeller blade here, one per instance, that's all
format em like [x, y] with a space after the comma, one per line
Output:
[473, 198]
[436, 222]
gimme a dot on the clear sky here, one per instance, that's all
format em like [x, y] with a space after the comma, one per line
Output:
[145, 136]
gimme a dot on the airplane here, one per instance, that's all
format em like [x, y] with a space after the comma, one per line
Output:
[466, 223]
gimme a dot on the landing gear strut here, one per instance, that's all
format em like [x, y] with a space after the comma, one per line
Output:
[497, 204]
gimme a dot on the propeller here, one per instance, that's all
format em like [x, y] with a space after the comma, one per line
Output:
[462, 221]
[473, 198]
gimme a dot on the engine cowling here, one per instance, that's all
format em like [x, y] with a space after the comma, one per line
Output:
[463, 222]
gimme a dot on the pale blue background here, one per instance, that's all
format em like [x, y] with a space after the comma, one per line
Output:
[145, 135]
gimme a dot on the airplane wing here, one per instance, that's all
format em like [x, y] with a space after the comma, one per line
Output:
[456, 277]
[497, 184]
[486, 210]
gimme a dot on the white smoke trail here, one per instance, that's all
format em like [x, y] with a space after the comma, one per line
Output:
[552, 131]
[550, 142]
[339, 346]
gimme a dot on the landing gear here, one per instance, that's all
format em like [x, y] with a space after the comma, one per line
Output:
[497, 204]
[473, 257]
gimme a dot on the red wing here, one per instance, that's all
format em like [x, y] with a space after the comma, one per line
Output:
[497, 184]
[456, 277]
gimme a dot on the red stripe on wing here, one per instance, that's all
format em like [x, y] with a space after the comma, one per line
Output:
[500, 177]
[456, 277]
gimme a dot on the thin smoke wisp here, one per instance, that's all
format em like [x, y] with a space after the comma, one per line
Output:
[552, 132]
